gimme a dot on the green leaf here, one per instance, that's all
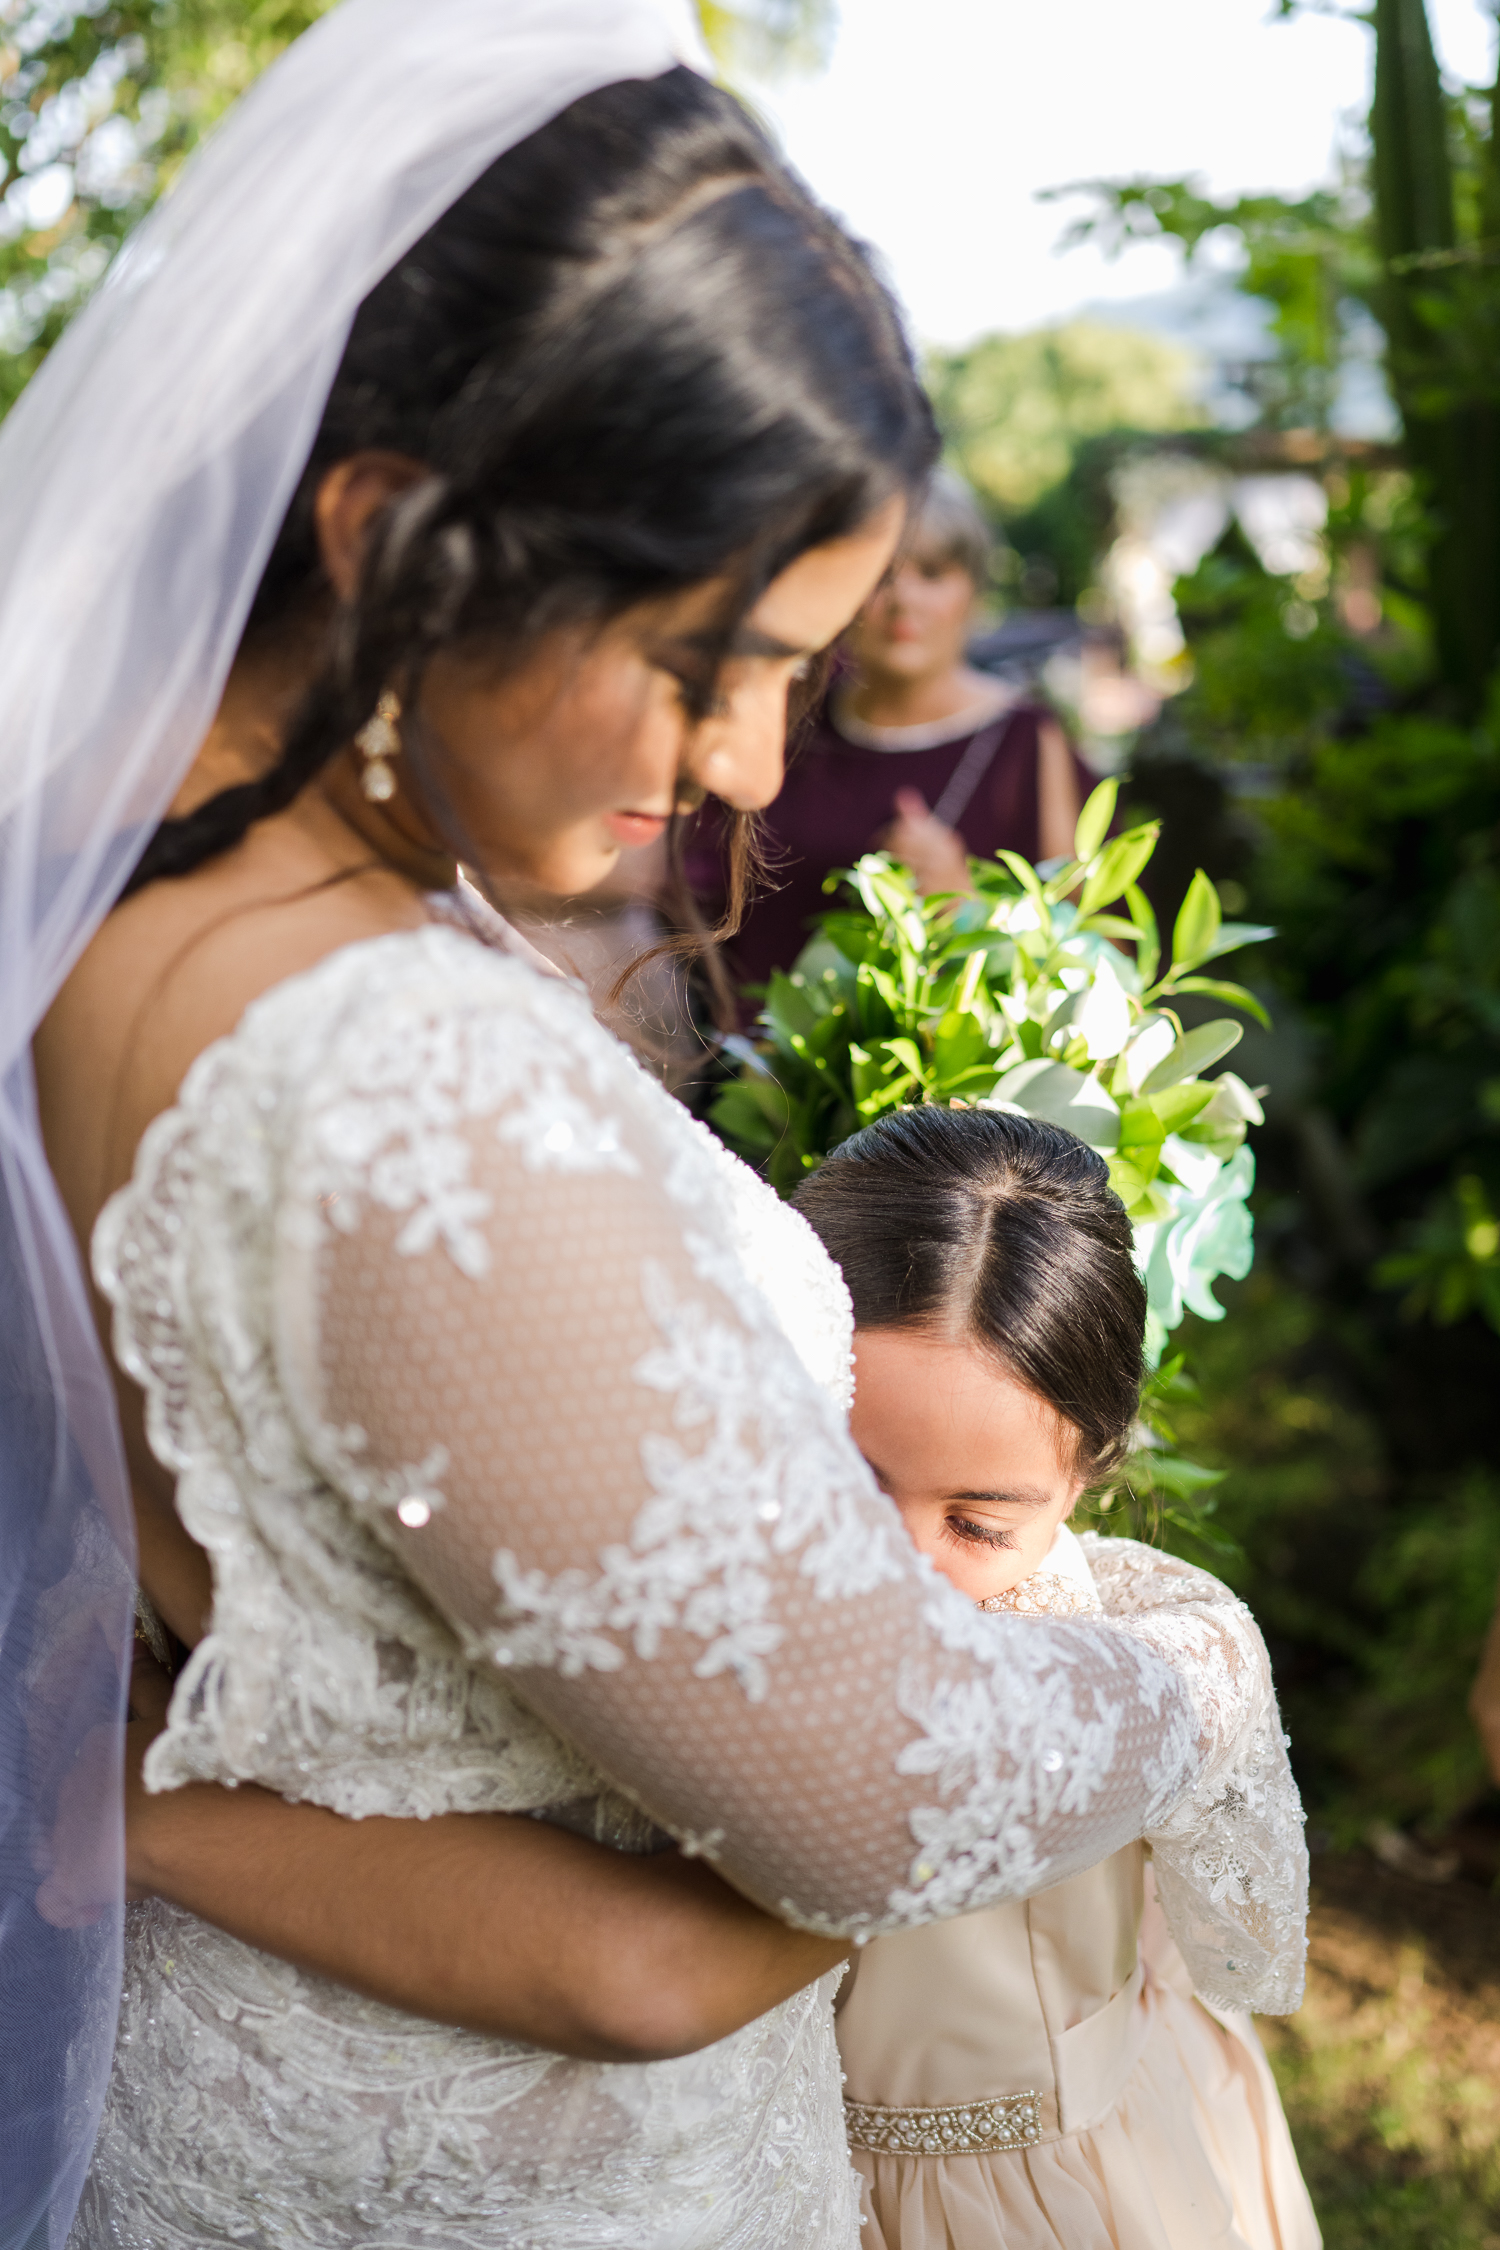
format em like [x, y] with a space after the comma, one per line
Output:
[1233, 935]
[1141, 1135]
[1169, 1472]
[1062, 1096]
[1127, 1180]
[1094, 820]
[908, 1054]
[753, 1112]
[1118, 866]
[1236, 995]
[1179, 1105]
[1193, 1054]
[1108, 925]
[1197, 925]
[1024, 873]
[1148, 941]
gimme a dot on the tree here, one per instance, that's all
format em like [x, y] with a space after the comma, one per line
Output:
[1410, 236]
[99, 105]
[101, 101]
[1016, 409]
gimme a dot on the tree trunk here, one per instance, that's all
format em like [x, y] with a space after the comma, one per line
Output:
[1454, 444]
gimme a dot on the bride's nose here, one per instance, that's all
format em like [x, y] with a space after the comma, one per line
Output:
[740, 757]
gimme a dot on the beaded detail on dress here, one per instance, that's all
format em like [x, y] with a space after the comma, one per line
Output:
[1052, 1597]
[984, 2128]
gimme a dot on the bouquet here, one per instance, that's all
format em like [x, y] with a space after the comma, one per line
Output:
[1042, 992]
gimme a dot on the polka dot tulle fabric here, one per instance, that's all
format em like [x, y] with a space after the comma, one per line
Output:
[511, 1412]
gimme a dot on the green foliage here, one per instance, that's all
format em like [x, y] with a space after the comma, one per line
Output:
[1380, 868]
[1414, 240]
[101, 102]
[1373, 1581]
[1016, 409]
[99, 105]
[1439, 298]
[1310, 259]
[1023, 997]
[767, 38]
[1452, 1267]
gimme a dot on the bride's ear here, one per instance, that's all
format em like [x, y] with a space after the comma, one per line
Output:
[348, 499]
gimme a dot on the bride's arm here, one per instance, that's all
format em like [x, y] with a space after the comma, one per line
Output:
[499, 1924]
[1231, 1861]
[514, 1332]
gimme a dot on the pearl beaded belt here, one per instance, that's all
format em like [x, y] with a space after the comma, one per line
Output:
[987, 2128]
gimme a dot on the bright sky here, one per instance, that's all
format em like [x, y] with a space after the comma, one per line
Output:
[937, 121]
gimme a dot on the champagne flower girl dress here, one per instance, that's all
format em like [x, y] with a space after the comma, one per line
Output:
[1041, 2074]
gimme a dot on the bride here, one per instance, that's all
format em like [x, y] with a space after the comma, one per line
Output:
[460, 468]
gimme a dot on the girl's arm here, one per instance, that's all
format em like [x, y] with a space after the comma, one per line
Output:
[499, 1924]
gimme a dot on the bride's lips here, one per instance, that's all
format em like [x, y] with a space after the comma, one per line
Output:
[635, 827]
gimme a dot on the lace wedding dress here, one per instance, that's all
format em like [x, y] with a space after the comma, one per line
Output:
[507, 1408]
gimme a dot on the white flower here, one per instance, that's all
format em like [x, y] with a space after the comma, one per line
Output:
[1151, 1045]
[1233, 1104]
[1102, 1017]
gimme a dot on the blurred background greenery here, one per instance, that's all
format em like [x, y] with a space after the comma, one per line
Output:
[1321, 612]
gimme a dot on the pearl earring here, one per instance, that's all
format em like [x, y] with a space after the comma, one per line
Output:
[379, 739]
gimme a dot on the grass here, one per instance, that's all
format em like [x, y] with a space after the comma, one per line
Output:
[1391, 2072]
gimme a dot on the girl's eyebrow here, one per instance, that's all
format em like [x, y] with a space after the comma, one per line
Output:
[1024, 1496]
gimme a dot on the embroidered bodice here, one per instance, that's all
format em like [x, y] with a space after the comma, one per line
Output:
[507, 1407]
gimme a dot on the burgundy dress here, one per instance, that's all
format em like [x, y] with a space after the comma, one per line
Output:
[839, 797]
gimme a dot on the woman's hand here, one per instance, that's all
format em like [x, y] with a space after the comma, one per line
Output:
[497, 1923]
[936, 854]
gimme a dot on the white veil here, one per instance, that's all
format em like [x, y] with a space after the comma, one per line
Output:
[143, 477]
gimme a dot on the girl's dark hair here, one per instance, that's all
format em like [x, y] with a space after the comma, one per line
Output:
[635, 356]
[1004, 1229]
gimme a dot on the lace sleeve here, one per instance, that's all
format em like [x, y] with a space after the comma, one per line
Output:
[1230, 1857]
[515, 1334]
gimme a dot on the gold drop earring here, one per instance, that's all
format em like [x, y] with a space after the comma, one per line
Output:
[379, 741]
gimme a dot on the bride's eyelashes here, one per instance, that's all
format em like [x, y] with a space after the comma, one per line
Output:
[966, 1533]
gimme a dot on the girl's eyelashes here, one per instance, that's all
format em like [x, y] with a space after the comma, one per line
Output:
[700, 697]
[971, 1534]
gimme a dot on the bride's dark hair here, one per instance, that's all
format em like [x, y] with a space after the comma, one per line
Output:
[1004, 1229]
[635, 356]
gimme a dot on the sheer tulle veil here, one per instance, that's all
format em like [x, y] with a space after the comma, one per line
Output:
[143, 476]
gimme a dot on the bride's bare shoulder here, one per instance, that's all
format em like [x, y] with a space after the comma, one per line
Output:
[173, 969]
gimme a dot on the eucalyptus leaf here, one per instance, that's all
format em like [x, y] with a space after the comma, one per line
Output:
[1117, 867]
[1233, 935]
[1094, 820]
[1214, 988]
[1148, 941]
[1197, 926]
[1063, 1097]
[1178, 1105]
[1193, 1053]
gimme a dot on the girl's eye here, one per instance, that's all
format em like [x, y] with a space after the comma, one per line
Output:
[700, 698]
[971, 1534]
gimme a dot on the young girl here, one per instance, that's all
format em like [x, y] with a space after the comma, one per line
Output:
[1038, 2073]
